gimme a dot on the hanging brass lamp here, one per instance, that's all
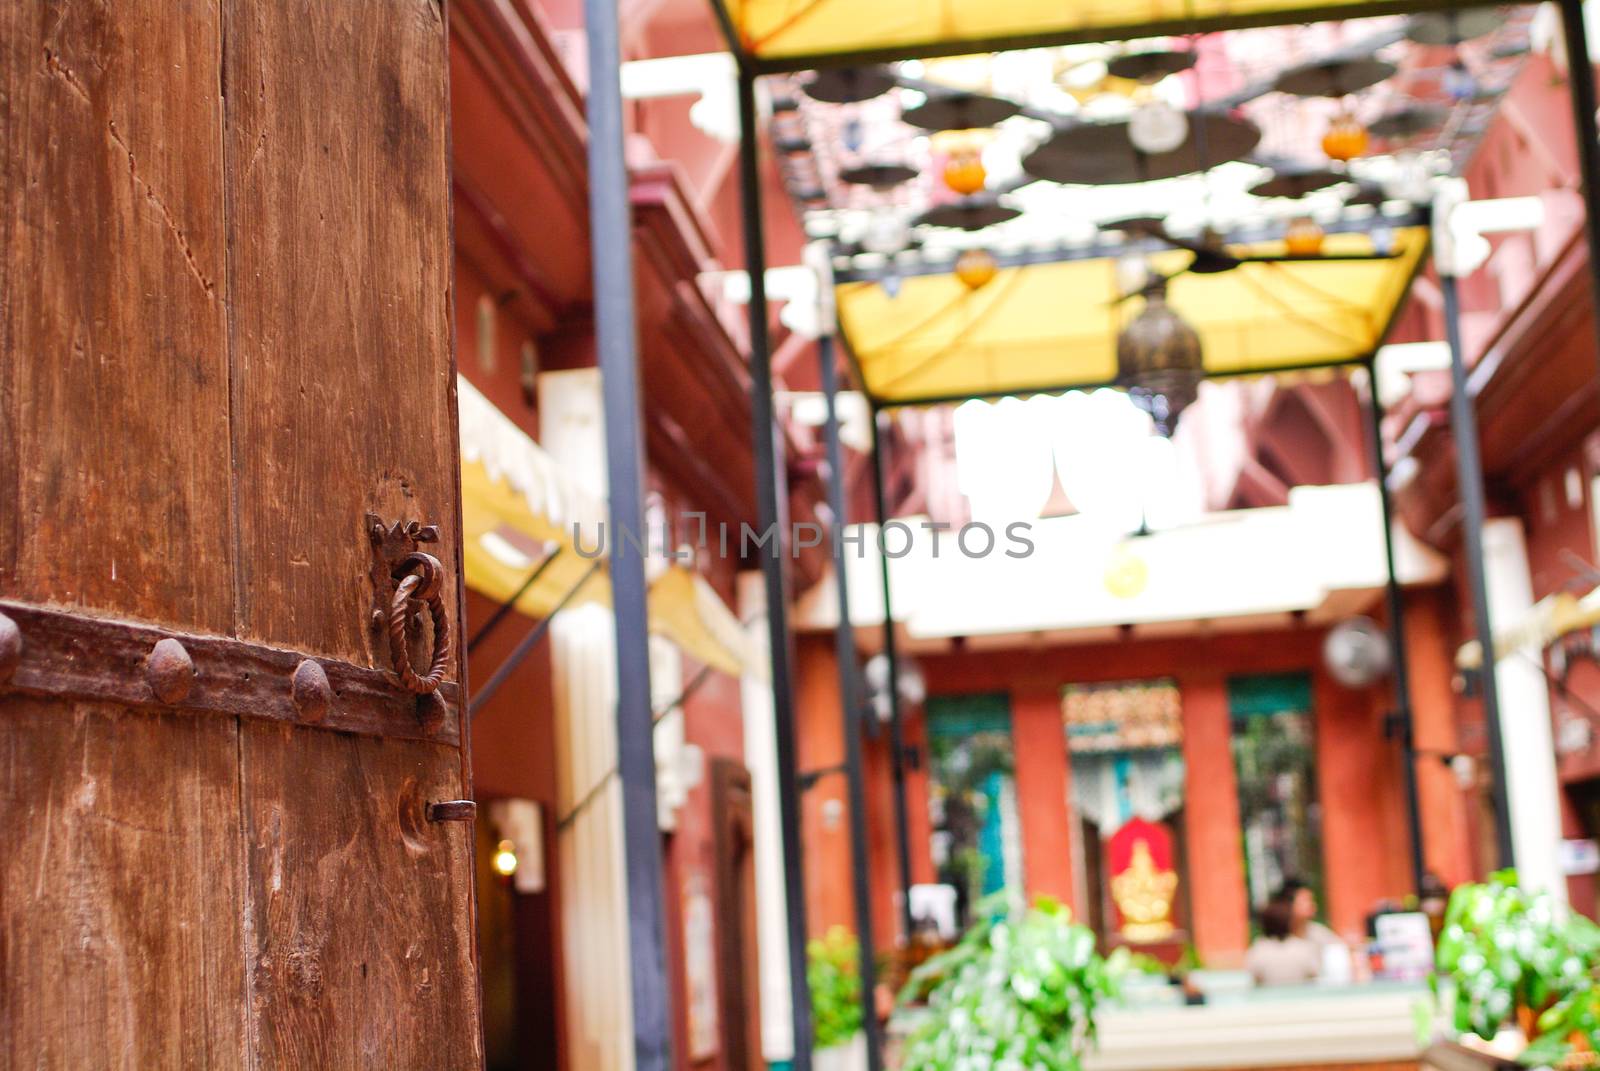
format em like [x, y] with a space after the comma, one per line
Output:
[1159, 360]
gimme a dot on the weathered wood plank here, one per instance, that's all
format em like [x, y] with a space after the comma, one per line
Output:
[120, 933]
[113, 371]
[339, 235]
[179, 890]
[361, 947]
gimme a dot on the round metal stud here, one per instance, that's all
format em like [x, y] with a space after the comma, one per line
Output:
[431, 711]
[10, 648]
[169, 671]
[312, 693]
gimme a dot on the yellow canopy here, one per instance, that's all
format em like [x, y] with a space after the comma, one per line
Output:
[517, 510]
[504, 541]
[1051, 326]
[795, 34]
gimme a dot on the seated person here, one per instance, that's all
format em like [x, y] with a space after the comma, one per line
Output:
[1279, 956]
[1302, 902]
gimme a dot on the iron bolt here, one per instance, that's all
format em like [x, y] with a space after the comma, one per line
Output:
[169, 671]
[10, 648]
[453, 811]
[312, 693]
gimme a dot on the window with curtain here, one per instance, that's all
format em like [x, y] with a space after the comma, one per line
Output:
[1125, 744]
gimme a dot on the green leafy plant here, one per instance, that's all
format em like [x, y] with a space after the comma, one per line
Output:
[1144, 963]
[833, 974]
[1520, 957]
[1020, 990]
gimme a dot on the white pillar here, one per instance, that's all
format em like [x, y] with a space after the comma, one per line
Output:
[595, 968]
[1524, 713]
[761, 757]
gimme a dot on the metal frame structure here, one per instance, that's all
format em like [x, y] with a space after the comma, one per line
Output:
[614, 316]
[851, 704]
[1469, 486]
[1104, 250]
[1417, 217]
[772, 515]
[897, 737]
[1394, 608]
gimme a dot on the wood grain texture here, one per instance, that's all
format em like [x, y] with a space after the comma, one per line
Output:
[120, 938]
[224, 338]
[113, 369]
[359, 930]
[339, 256]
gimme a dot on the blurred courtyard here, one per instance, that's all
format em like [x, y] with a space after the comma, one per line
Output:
[592, 535]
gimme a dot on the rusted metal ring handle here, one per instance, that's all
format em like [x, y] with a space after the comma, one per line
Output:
[423, 576]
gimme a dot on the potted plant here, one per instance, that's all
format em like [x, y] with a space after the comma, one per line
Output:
[1019, 990]
[1522, 959]
[833, 974]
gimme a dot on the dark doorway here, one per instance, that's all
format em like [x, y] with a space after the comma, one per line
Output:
[737, 969]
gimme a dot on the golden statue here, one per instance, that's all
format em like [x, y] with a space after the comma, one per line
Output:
[1144, 896]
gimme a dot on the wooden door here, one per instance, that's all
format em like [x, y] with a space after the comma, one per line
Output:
[225, 299]
[738, 979]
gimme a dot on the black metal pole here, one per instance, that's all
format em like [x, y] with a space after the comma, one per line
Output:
[897, 746]
[772, 517]
[611, 237]
[844, 649]
[1580, 79]
[1395, 602]
[1474, 511]
[527, 644]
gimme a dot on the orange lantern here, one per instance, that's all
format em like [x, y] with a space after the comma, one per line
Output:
[1304, 237]
[1346, 138]
[975, 268]
[964, 172]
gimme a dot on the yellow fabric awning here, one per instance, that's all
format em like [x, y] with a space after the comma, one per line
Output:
[794, 34]
[684, 607]
[517, 510]
[1051, 326]
[504, 541]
